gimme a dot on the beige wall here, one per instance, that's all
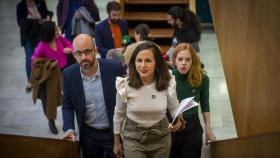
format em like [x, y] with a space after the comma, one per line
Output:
[248, 34]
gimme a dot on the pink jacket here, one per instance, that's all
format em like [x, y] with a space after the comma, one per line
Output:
[43, 50]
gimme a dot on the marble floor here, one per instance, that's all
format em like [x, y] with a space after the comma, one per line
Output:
[20, 116]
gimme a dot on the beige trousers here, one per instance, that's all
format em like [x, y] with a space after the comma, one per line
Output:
[146, 142]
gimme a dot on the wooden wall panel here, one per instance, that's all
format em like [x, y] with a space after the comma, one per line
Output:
[248, 34]
[250, 147]
[12, 146]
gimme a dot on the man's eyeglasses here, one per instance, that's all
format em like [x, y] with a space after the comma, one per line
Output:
[80, 53]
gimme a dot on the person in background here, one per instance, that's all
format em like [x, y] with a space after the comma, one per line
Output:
[141, 34]
[142, 101]
[29, 15]
[191, 81]
[89, 93]
[109, 32]
[115, 54]
[52, 45]
[187, 28]
[55, 48]
[71, 12]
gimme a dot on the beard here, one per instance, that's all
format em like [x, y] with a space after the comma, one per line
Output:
[86, 64]
[114, 21]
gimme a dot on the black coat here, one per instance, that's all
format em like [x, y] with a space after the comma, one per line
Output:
[27, 26]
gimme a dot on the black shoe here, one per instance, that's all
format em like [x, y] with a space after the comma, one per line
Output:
[52, 127]
[28, 88]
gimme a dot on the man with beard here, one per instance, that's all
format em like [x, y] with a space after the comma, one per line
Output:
[89, 92]
[109, 32]
[187, 28]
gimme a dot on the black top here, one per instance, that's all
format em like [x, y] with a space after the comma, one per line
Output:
[22, 13]
[188, 35]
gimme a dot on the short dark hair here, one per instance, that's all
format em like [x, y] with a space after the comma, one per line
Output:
[162, 75]
[47, 31]
[113, 5]
[144, 31]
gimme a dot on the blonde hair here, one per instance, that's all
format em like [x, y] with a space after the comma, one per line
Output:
[195, 73]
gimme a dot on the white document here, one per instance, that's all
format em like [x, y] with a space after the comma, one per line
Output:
[184, 105]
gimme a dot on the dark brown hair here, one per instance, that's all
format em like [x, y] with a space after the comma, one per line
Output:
[162, 75]
[187, 17]
[47, 31]
[144, 31]
[113, 5]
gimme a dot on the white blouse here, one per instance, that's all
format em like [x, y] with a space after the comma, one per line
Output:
[33, 12]
[146, 105]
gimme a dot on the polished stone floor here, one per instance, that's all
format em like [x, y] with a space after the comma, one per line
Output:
[20, 116]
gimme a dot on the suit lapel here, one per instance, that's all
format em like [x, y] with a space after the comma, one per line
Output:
[109, 33]
[122, 28]
[105, 77]
[79, 89]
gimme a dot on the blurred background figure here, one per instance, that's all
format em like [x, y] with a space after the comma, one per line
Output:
[77, 16]
[53, 47]
[187, 28]
[110, 32]
[115, 54]
[141, 34]
[29, 15]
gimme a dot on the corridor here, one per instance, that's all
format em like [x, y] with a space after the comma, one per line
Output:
[20, 116]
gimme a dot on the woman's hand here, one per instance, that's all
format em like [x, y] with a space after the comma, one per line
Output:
[53, 64]
[67, 50]
[179, 124]
[209, 136]
[118, 146]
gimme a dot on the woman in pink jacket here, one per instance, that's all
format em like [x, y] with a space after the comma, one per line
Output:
[52, 45]
[56, 48]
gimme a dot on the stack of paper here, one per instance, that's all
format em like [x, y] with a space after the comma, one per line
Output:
[185, 104]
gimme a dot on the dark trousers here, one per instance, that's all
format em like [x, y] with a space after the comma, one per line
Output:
[97, 143]
[188, 142]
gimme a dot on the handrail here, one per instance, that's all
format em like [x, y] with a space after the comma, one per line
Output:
[27, 146]
[263, 145]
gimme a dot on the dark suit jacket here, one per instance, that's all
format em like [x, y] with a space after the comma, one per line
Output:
[103, 36]
[22, 13]
[74, 97]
